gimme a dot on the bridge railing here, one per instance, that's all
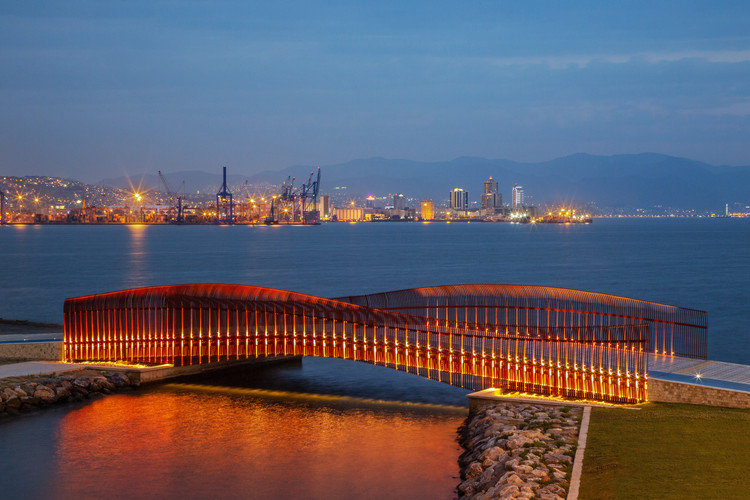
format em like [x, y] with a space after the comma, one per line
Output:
[673, 330]
[182, 327]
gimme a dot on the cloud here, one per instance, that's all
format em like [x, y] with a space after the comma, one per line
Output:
[584, 60]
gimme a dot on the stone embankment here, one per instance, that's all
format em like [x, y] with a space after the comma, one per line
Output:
[22, 394]
[517, 450]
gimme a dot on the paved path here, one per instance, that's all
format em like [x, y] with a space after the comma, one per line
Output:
[699, 371]
[575, 476]
[14, 338]
[36, 368]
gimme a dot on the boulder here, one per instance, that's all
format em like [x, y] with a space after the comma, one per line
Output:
[8, 393]
[503, 491]
[523, 469]
[119, 380]
[29, 388]
[82, 382]
[20, 392]
[45, 394]
[473, 470]
[557, 458]
[513, 479]
[62, 392]
[490, 477]
[13, 402]
[518, 441]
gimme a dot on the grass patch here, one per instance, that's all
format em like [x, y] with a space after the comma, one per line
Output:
[667, 451]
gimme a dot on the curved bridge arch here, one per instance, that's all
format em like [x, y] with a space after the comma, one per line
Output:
[535, 339]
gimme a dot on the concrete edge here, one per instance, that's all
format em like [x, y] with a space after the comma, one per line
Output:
[146, 374]
[705, 386]
[575, 476]
[487, 396]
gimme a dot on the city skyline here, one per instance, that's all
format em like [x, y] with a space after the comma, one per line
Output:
[261, 87]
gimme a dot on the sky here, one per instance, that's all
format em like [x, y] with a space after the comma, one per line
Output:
[96, 89]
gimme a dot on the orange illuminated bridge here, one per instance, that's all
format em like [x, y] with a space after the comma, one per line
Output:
[543, 340]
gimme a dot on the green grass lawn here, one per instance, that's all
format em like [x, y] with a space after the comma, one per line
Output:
[667, 451]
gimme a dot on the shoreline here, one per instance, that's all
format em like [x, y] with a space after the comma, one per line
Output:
[23, 394]
[518, 450]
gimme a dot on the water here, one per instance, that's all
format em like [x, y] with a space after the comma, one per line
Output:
[325, 428]
[219, 437]
[698, 263]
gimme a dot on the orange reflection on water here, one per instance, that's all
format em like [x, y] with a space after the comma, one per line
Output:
[184, 443]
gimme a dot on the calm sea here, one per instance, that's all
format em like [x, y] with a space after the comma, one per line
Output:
[697, 263]
[321, 428]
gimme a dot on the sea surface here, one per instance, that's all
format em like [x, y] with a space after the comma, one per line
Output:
[697, 263]
[321, 428]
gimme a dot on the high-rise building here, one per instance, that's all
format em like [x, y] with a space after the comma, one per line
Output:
[459, 199]
[490, 186]
[427, 210]
[491, 199]
[324, 207]
[399, 202]
[517, 200]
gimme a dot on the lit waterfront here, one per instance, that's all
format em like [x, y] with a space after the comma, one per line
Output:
[685, 262]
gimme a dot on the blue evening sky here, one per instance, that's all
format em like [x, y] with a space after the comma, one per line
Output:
[94, 89]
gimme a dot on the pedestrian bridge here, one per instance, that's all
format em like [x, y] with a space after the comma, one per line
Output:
[542, 340]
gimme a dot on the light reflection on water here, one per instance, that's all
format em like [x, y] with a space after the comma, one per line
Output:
[177, 443]
[248, 435]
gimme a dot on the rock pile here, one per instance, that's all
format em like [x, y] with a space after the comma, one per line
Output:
[21, 394]
[516, 450]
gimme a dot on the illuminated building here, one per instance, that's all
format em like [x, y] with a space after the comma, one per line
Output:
[351, 214]
[490, 199]
[517, 200]
[427, 210]
[324, 206]
[399, 202]
[459, 200]
[542, 340]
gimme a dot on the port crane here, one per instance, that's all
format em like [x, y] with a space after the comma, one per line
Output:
[174, 197]
[309, 196]
[224, 203]
[296, 206]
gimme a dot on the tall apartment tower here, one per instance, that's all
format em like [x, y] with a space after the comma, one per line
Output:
[399, 202]
[459, 199]
[517, 201]
[491, 199]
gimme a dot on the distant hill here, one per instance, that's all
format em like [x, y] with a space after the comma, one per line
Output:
[637, 180]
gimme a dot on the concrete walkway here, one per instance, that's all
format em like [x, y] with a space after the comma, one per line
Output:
[14, 338]
[708, 373]
[36, 368]
[575, 476]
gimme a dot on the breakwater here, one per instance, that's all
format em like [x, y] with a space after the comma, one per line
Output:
[518, 450]
[23, 394]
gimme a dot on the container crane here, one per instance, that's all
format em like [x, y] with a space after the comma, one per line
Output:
[224, 204]
[174, 196]
[309, 196]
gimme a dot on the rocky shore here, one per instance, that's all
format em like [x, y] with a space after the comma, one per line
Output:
[517, 450]
[23, 394]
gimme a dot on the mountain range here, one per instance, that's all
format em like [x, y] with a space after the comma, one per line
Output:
[632, 180]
